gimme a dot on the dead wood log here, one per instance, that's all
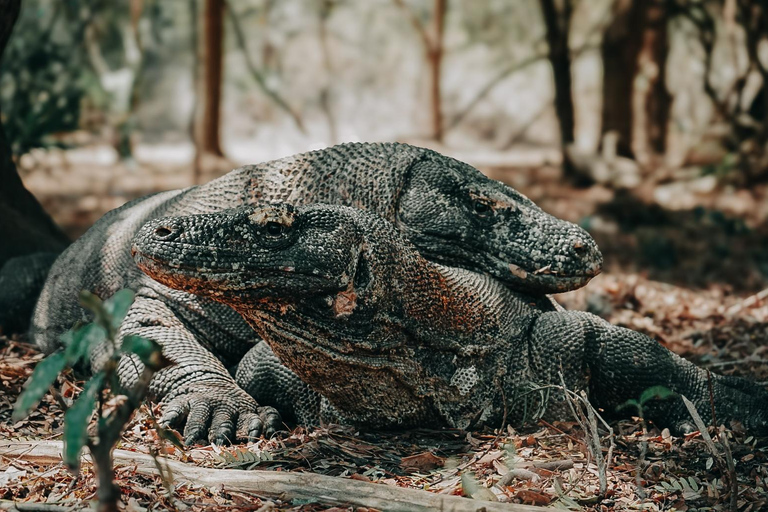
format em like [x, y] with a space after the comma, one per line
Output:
[283, 484]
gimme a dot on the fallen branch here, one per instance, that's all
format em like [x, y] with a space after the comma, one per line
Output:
[747, 303]
[285, 485]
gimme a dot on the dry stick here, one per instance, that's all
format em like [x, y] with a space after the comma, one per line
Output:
[589, 425]
[724, 460]
[282, 484]
[748, 302]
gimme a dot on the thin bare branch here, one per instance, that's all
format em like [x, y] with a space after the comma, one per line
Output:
[257, 74]
[421, 30]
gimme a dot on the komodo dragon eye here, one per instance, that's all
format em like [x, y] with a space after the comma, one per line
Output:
[482, 208]
[274, 228]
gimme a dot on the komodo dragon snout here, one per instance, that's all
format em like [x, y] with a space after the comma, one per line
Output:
[457, 216]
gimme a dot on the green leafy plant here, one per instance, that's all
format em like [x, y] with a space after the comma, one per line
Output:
[652, 393]
[77, 346]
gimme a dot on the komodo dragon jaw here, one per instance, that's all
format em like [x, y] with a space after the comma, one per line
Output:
[253, 253]
[458, 217]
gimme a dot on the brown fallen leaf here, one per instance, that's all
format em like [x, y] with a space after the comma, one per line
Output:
[533, 497]
[421, 462]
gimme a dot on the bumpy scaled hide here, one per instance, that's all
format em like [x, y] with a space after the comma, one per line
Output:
[450, 210]
[414, 342]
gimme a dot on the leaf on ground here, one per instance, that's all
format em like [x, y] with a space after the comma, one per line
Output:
[76, 421]
[421, 462]
[45, 373]
[475, 489]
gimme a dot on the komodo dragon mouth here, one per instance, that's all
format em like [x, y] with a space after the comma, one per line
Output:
[197, 279]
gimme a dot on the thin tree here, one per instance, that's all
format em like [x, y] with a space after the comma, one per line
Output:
[25, 228]
[557, 19]
[433, 50]
[212, 68]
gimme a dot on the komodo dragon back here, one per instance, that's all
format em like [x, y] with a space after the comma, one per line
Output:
[421, 190]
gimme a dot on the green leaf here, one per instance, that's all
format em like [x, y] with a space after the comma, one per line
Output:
[80, 342]
[76, 421]
[149, 352]
[629, 403]
[656, 392]
[117, 306]
[95, 305]
[37, 385]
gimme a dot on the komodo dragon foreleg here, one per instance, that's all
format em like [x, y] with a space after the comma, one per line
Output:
[621, 364]
[197, 388]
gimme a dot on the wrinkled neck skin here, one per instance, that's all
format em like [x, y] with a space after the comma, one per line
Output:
[409, 344]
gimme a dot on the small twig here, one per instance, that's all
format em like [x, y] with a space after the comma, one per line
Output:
[747, 303]
[554, 465]
[589, 425]
[520, 474]
[731, 469]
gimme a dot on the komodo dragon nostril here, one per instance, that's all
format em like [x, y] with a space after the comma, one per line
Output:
[165, 233]
[579, 248]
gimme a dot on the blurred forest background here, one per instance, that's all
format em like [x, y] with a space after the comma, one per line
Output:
[645, 121]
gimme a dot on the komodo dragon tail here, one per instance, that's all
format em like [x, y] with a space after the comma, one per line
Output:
[21, 281]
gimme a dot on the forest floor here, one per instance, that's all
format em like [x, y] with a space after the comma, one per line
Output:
[685, 266]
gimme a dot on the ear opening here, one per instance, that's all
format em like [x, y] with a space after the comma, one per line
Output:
[362, 272]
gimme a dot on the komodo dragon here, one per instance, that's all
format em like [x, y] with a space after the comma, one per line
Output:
[448, 209]
[389, 339]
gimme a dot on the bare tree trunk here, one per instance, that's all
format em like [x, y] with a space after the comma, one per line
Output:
[620, 49]
[433, 51]
[25, 226]
[435, 58]
[213, 39]
[653, 63]
[558, 23]
[326, 100]
[636, 42]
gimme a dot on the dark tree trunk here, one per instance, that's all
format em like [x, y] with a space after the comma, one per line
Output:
[25, 227]
[557, 19]
[653, 63]
[620, 49]
[213, 39]
[636, 42]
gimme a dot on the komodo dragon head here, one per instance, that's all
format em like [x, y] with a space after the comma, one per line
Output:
[388, 338]
[457, 216]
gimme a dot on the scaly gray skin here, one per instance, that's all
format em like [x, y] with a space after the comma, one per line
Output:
[449, 209]
[378, 336]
